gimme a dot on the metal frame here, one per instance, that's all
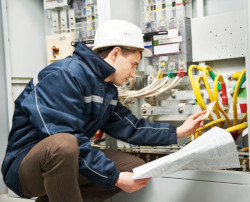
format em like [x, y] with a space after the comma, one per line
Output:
[247, 20]
[7, 59]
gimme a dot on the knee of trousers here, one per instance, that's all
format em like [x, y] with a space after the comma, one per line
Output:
[140, 162]
[135, 163]
[65, 147]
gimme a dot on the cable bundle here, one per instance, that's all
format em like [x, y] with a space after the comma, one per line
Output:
[236, 129]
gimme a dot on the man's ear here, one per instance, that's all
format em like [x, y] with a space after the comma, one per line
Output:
[114, 53]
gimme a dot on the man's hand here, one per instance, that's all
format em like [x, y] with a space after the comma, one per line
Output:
[127, 184]
[190, 125]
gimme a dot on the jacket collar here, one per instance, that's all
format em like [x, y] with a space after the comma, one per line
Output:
[99, 66]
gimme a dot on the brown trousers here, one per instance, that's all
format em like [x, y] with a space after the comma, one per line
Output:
[51, 168]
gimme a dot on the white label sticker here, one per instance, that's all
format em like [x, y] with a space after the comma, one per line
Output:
[172, 33]
[168, 48]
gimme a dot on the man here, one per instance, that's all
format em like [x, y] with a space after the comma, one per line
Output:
[49, 151]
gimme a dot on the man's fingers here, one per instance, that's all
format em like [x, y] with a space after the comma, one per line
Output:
[144, 183]
[202, 123]
[142, 180]
[199, 114]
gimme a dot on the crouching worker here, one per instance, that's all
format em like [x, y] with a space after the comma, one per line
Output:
[49, 155]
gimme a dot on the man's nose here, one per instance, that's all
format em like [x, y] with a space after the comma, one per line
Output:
[132, 74]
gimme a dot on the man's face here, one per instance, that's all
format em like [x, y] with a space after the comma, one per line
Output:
[125, 66]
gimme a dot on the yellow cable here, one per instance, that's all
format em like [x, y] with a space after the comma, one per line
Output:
[215, 91]
[244, 149]
[210, 124]
[190, 74]
[198, 92]
[237, 127]
[211, 97]
[236, 91]
[211, 67]
[243, 119]
[196, 87]
[240, 131]
[197, 134]
[199, 96]
[159, 73]
[236, 75]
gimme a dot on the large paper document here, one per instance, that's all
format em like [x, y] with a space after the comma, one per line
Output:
[215, 149]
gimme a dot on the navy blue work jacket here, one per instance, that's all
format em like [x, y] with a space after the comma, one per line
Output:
[71, 96]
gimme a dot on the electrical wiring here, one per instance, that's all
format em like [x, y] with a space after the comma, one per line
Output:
[224, 96]
[211, 70]
[210, 66]
[197, 134]
[240, 131]
[156, 89]
[245, 149]
[242, 149]
[147, 91]
[174, 83]
[218, 84]
[243, 119]
[162, 90]
[151, 89]
[196, 87]
[212, 75]
[236, 91]
[237, 127]
[156, 81]
[242, 81]
[190, 74]
[211, 97]
[211, 123]
[199, 96]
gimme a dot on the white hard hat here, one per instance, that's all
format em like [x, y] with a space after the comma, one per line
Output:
[119, 33]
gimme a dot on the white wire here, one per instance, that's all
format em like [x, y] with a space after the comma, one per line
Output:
[155, 82]
[152, 89]
[170, 86]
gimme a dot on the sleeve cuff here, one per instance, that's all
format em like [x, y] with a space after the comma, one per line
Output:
[172, 135]
[113, 179]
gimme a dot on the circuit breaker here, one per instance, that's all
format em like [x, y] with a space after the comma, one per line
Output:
[67, 23]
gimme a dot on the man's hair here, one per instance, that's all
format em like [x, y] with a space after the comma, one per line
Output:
[103, 52]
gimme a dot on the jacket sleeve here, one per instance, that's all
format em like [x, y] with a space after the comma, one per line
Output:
[56, 105]
[125, 126]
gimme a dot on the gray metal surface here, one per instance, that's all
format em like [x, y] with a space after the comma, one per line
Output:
[3, 102]
[218, 37]
[188, 190]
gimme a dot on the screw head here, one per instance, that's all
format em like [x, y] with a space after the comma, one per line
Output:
[180, 110]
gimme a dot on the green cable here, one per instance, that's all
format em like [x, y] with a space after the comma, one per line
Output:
[242, 81]
[213, 77]
[170, 74]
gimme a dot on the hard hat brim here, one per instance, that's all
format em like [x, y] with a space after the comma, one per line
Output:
[147, 53]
